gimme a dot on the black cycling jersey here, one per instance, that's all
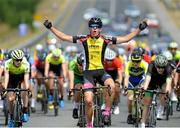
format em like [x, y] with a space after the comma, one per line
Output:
[157, 80]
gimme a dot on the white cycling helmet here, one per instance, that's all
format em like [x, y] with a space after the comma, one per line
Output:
[168, 55]
[51, 47]
[110, 54]
[71, 49]
[39, 47]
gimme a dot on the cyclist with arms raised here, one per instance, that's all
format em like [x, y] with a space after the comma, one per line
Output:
[94, 47]
[17, 75]
[158, 77]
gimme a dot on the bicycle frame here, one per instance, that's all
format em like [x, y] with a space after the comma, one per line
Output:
[137, 111]
[152, 108]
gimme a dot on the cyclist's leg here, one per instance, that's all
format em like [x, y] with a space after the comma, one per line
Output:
[78, 83]
[60, 87]
[146, 103]
[108, 81]
[50, 83]
[10, 99]
[24, 97]
[88, 83]
[130, 103]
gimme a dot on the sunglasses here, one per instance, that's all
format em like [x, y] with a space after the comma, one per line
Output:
[136, 61]
[56, 57]
[18, 60]
[173, 48]
[95, 26]
[160, 67]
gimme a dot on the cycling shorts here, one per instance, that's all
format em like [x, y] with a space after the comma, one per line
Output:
[56, 69]
[15, 80]
[113, 74]
[91, 75]
[78, 80]
[150, 94]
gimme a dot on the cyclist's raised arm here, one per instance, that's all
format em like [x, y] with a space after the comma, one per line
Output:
[57, 32]
[128, 37]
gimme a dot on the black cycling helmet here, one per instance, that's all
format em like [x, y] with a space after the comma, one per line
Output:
[136, 56]
[42, 55]
[26, 53]
[80, 58]
[140, 50]
[95, 22]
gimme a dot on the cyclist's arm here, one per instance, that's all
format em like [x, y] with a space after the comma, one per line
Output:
[176, 79]
[6, 74]
[147, 81]
[61, 35]
[71, 79]
[26, 80]
[64, 70]
[46, 68]
[120, 73]
[168, 84]
[126, 79]
[128, 37]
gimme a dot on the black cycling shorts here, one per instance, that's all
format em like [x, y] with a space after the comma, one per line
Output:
[99, 75]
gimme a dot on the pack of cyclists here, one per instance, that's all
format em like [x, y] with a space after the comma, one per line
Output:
[100, 61]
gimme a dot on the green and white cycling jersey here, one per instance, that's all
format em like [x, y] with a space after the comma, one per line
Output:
[73, 66]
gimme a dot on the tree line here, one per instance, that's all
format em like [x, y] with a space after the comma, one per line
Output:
[14, 12]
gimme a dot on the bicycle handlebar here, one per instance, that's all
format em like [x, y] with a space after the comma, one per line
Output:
[16, 90]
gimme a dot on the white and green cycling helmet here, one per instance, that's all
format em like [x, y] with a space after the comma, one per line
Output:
[56, 52]
[17, 54]
[168, 55]
[161, 61]
[173, 45]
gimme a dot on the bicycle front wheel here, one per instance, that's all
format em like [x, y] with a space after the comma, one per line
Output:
[56, 107]
[17, 114]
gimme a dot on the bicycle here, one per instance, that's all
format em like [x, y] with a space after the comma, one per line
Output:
[55, 95]
[82, 119]
[152, 108]
[17, 111]
[42, 90]
[98, 120]
[137, 106]
[98, 100]
[168, 110]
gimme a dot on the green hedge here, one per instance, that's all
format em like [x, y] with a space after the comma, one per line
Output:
[14, 12]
